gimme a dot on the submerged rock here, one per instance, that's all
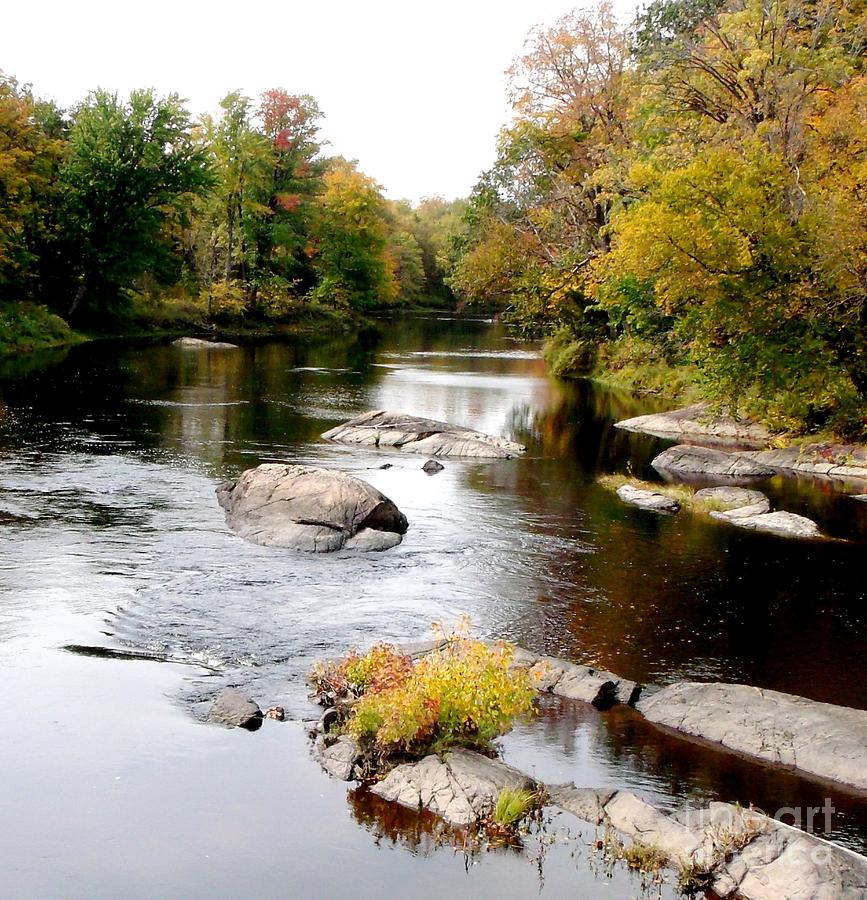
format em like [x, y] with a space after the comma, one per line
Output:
[728, 497]
[462, 787]
[189, 343]
[819, 738]
[379, 428]
[785, 524]
[698, 421]
[234, 708]
[431, 467]
[651, 500]
[687, 459]
[310, 509]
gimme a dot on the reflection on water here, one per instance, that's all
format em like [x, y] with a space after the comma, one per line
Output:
[110, 453]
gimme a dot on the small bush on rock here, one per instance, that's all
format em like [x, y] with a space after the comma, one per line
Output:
[462, 694]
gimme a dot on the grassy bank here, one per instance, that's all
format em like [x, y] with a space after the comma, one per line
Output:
[824, 412]
[29, 327]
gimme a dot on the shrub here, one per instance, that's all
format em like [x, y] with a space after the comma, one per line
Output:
[29, 326]
[462, 694]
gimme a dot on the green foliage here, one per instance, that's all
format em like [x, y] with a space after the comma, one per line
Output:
[27, 326]
[512, 806]
[130, 169]
[693, 187]
[461, 694]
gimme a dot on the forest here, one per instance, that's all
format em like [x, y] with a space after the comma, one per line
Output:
[681, 204]
[678, 206]
[128, 212]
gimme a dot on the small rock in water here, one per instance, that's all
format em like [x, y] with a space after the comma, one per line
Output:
[432, 467]
[275, 712]
[651, 500]
[234, 708]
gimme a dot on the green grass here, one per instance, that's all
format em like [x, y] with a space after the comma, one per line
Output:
[512, 806]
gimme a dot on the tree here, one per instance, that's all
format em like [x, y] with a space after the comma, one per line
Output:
[31, 150]
[130, 174]
[351, 240]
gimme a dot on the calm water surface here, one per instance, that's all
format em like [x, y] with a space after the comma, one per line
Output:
[111, 535]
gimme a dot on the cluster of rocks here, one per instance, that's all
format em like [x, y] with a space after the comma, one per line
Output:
[320, 510]
[743, 507]
[751, 441]
[736, 505]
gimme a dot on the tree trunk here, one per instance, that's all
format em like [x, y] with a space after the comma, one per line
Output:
[79, 293]
[230, 239]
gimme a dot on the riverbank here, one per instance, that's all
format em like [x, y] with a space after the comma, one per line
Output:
[641, 368]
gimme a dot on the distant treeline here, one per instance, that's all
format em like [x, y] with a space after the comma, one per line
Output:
[130, 206]
[685, 199]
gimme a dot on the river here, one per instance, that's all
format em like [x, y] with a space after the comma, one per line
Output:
[111, 536]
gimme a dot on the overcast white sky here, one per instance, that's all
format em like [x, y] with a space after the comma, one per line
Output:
[414, 91]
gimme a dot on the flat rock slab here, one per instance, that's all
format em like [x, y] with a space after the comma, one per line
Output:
[462, 787]
[234, 708]
[686, 459]
[819, 738]
[746, 854]
[729, 497]
[310, 509]
[784, 524]
[188, 343]
[699, 421]
[650, 500]
[379, 428]
[847, 461]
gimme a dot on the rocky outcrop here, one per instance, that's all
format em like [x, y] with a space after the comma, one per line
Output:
[686, 459]
[234, 708]
[729, 498]
[595, 686]
[412, 434]
[310, 509]
[732, 851]
[189, 343]
[698, 422]
[822, 739]
[847, 461]
[784, 524]
[462, 787]
[650, 500]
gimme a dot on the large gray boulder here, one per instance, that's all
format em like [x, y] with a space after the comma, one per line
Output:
[189, 343]
[462, 787]
[698, 421]
[819, 738]
[379, 428]
[650, 500]
[310, 509]
[784, 524]
[686, 459]
[235, 709]
[598, 687]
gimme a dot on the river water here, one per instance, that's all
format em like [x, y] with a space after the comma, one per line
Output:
[111, 537]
